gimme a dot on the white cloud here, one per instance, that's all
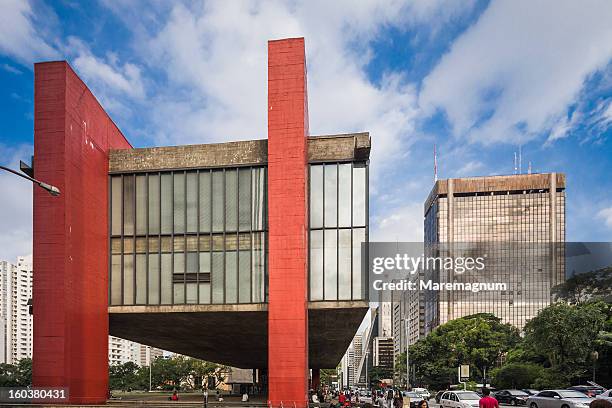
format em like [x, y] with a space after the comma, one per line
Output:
[401, 224]
[513, 73]
[606, 215]
[11, 69]
[19, 37]
[15, 206]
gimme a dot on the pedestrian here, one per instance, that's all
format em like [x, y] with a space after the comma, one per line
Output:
[382, 401]
[205, 395]
[398, 401]
[245, 397]
[423, 404]
[174, 396]
[487, 401]
[600, 403]
[342, 398]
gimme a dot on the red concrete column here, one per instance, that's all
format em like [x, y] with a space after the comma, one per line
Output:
[288, 212]
[72, 136]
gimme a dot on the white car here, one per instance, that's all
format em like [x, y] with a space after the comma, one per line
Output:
[607, 395]
[559, 399]
[423, 392]
[459, 399]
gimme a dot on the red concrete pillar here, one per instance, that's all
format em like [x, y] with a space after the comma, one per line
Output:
[288, 212]
[72, 136]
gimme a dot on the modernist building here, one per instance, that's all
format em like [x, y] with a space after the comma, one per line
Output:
[384, 357]
[520, 220]
[15, 317]
[244, 253]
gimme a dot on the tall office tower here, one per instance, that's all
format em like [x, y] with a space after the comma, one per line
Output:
[358, 351]
[383, 355]
[15, 319]
[147, 354]
[385, 318]
[520, 220]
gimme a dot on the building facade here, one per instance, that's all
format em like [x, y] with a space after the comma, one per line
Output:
[255, 245]
[384, 358]
[15, 318]
[520, 220]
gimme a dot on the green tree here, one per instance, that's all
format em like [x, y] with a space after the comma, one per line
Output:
[479, 340]
[123, 376]
[516, 375]
[328, 375]
[566, 335]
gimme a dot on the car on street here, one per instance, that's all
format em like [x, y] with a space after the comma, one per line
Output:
[559, 399]
[423, 392]
[589, 390]
[414, 398]
[607, 395]
[530, 391]
[459, 399]
[439, 395]
[511, 397]
[365, 397]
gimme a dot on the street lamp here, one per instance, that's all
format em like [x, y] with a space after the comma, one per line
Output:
[54, 191]
[406, 323]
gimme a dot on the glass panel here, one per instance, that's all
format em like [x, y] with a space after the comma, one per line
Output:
[231, 200]
[204, 269]
[331, 265]
[204, 293]
[316, 196]
[231, 277]
[166, 203]
[141, 204]
[205, 202]
[192, 202]
[179, 202]
[316, 265]
[331, 195]
[154, 279]
[166, 279]
[128, 205]
[153, 204]
[258, 198]
[344, 195]
[178, 274]
[141, 279]
[128, 279]
[115, 279]
[244, 276]
[117, 199]
[192, 262]
[359, 196]
[259, 265]
[217, 199]
[192, 293]
[244, 199]
[359, 273]
[217, 277]
[344, 264]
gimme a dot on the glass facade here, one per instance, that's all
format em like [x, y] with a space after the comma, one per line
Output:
[188, 237]
[199, 236]
[522, 249]
[338, 227]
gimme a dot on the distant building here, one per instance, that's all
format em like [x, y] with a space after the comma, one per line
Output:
[524, 215]
[15, 320]
[383, 355]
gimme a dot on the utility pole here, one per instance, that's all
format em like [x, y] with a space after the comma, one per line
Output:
[150, 366]
[406, 323]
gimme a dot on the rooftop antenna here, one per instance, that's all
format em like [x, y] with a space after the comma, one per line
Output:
[515, 167]
[520, 160]
[435, 164]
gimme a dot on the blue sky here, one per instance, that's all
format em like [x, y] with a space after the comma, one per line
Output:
[477, 78]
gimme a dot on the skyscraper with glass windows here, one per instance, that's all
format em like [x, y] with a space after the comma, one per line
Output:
[518, 222]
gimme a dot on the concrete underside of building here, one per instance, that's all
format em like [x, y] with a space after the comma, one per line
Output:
[236, 335]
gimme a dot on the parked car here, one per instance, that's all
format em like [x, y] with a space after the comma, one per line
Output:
[423, 392]
[530, 391]
[607, 395]
[512, 397]
[589, 390]
[414, 398]
[439, 395]
[559, 399]
[459, 399]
